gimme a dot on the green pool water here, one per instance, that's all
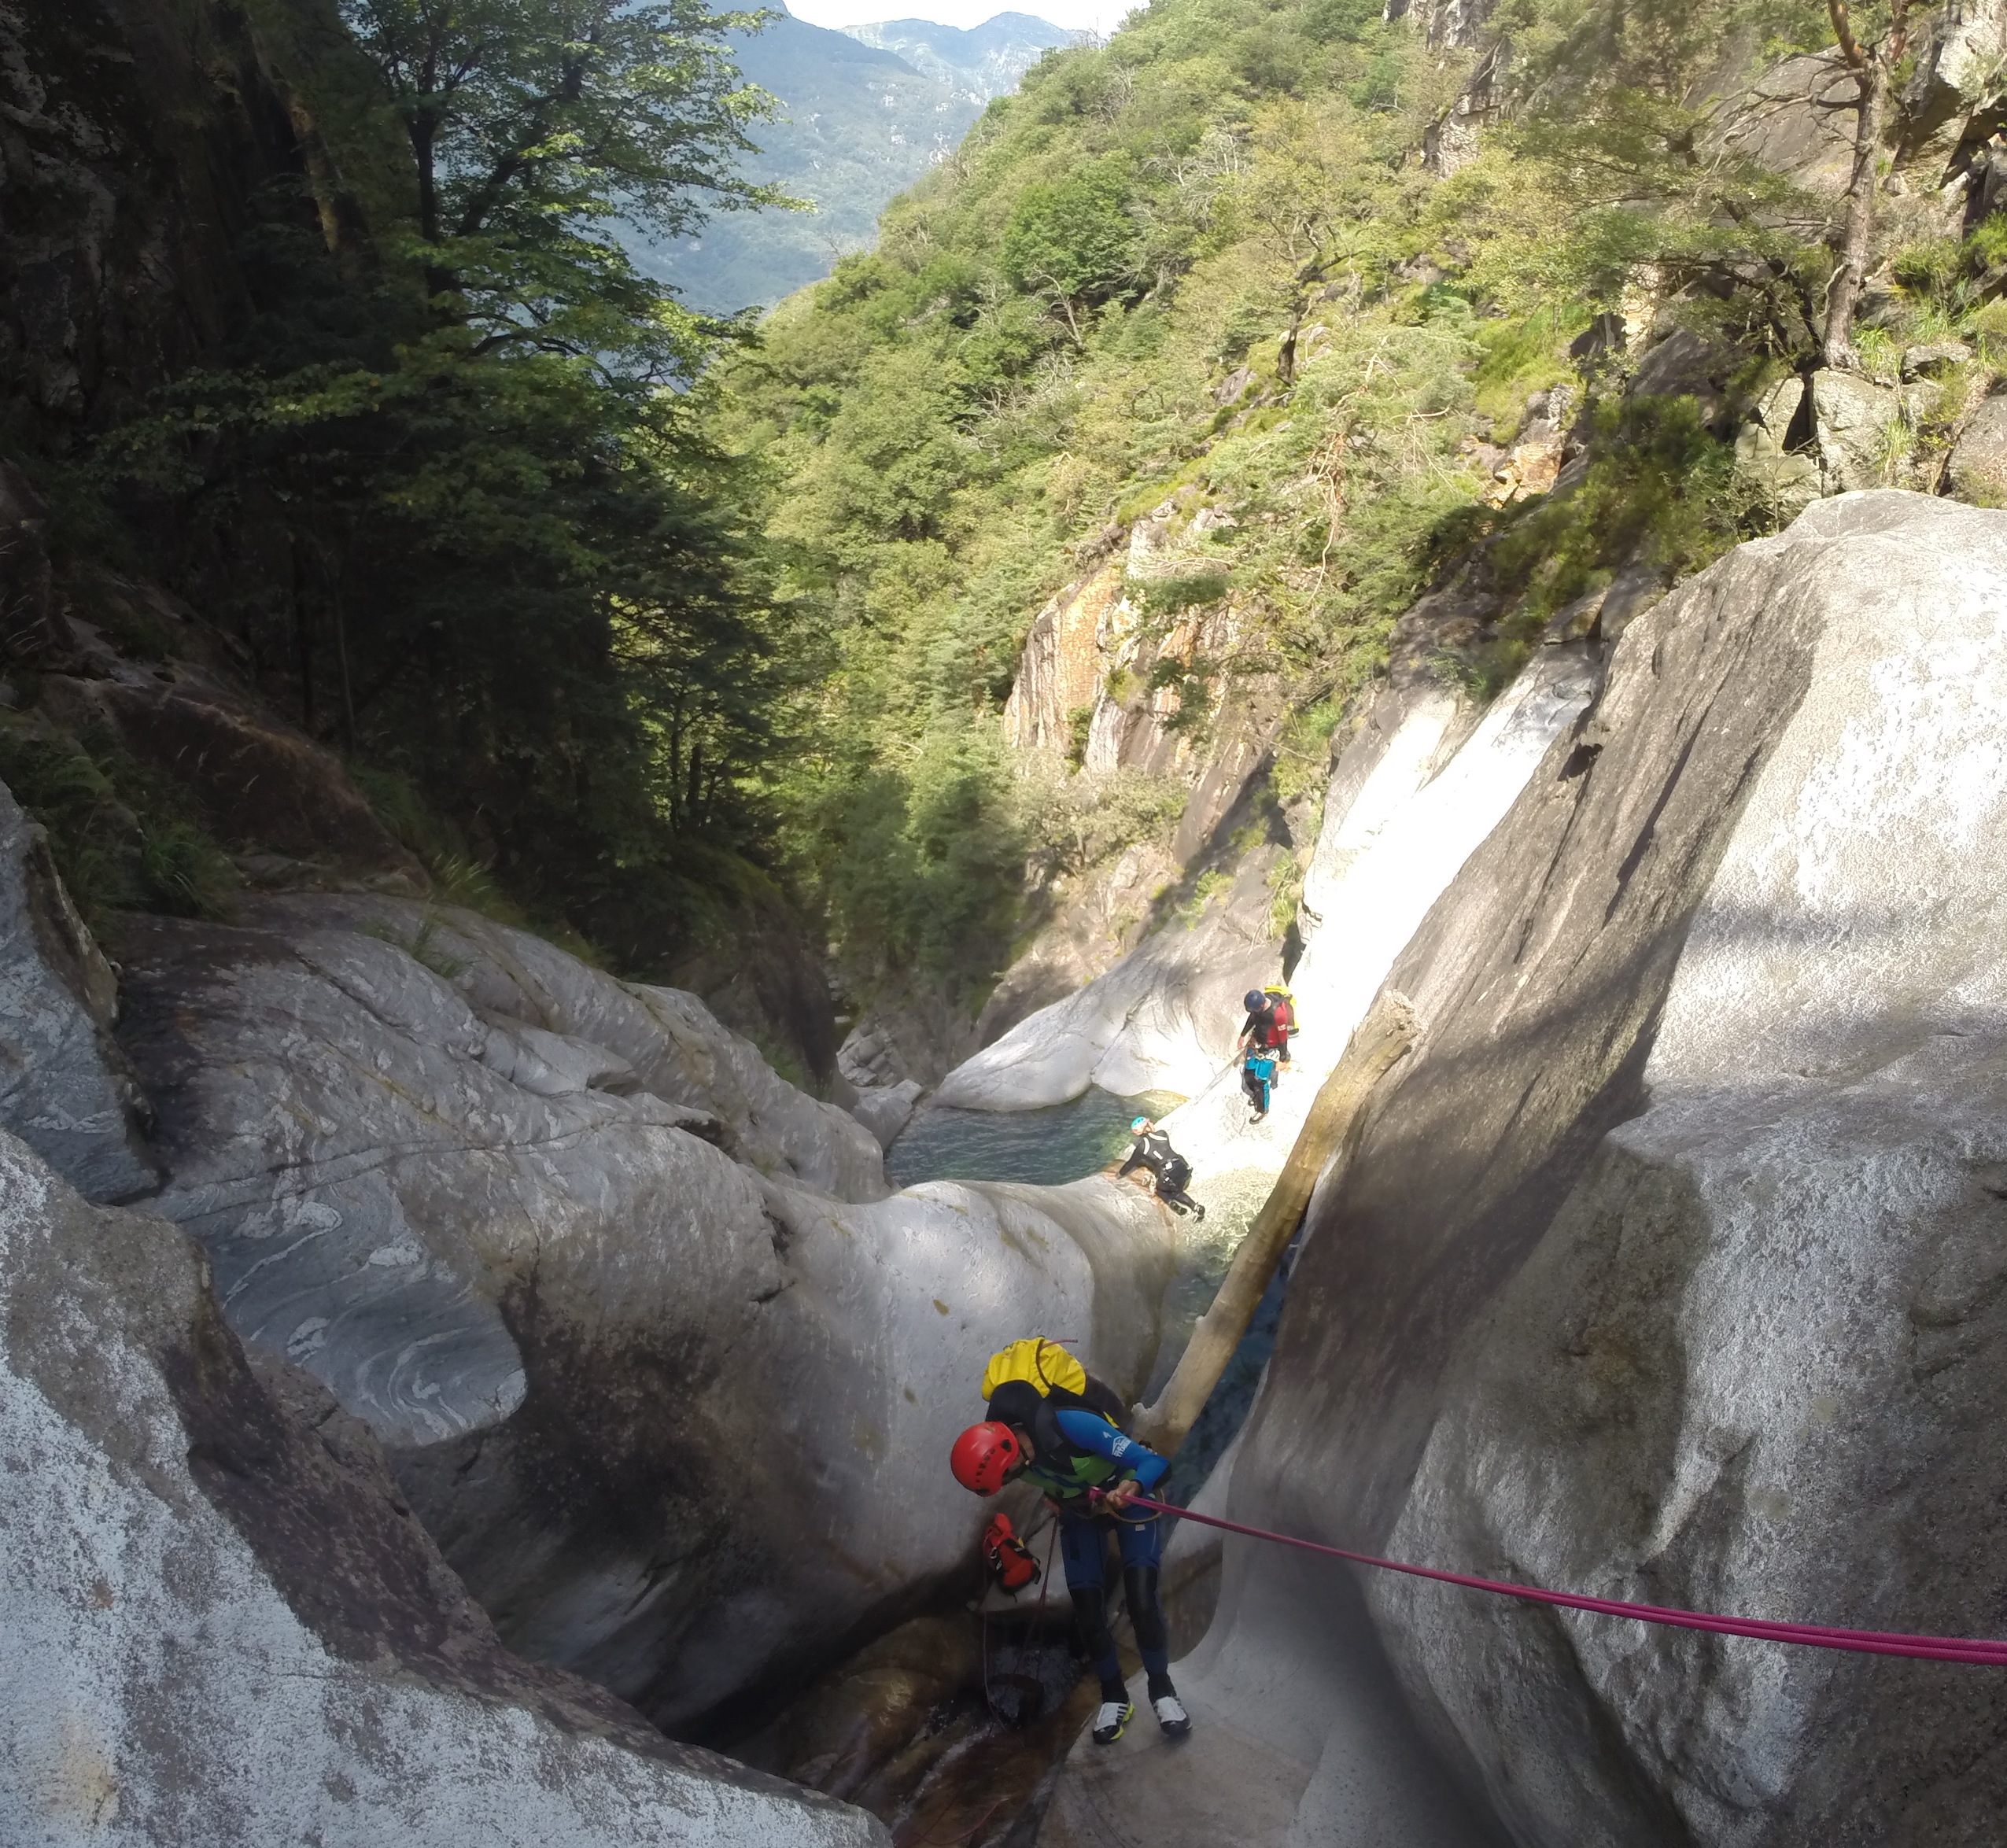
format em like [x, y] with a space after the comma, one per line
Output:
[1047, 1147]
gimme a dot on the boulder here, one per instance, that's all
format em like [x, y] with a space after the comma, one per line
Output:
[65, 1089]
[223, 1627]
[1750, 1364]
[1954, 72]
[887, 1109]
[1787, 476]
[1853, 417]
[1925, 362]
[667, 1375]
[1669, 1270]
[1979, 459]
[1685, 365]
[1858, 424]
[1164, 1018]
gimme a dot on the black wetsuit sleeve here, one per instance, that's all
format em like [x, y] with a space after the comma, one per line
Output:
[1136, 1160]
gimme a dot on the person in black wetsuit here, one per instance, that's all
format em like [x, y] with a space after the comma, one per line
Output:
[1153, 1150]
[1270, 1021]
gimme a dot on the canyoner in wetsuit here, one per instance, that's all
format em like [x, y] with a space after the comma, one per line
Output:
[1050, 1423]
[1271, 1022]
[1172, 1170]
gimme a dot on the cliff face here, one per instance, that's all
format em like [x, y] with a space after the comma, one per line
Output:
[143, 141]
[1667, 1269]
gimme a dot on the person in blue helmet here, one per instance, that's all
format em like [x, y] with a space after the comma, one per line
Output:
[1153, 1150]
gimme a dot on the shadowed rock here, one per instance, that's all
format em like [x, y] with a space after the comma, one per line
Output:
[1734, 1353]
[221, 1626]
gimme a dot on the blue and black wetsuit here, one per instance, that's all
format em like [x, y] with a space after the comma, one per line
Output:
[1075, 1449]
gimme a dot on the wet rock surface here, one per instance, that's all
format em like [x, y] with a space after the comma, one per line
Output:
[198, 1554]
[65, 1088]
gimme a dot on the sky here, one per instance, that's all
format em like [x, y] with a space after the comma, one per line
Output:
[1097, 15]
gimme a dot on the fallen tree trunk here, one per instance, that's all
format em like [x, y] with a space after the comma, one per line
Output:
[1331, 1132]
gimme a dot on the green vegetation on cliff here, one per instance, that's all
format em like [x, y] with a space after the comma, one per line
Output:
[1294, 266]
[433, 467]
[652, 620]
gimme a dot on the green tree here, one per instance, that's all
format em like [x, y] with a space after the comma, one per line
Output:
[1074, 241]
[1873, 64]
[453, 506]
[537, 126]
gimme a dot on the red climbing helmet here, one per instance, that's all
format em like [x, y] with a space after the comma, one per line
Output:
[984, 1455]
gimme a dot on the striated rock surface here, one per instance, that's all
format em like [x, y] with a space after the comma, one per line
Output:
[223, 1627]
[1669, 1271]
[65, 1088]
[664, 1371]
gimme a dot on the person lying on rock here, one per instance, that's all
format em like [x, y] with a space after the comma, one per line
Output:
[1172, 1170]
[1050, 1423]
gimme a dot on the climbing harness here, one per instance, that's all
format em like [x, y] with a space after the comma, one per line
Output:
[1969, 1649]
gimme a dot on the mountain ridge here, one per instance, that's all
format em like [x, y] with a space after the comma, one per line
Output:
[863, 118]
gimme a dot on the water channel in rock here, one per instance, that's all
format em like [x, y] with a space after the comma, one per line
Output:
[1067, 1141]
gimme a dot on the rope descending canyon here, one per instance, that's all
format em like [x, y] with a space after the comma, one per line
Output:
[1967, 1649]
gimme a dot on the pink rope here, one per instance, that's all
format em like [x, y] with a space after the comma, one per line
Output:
[1971, 1649]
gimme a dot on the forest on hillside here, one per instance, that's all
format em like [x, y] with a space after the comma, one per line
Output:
[633, 619]
[1236, 262]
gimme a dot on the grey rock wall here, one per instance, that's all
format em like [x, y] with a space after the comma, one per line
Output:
[221, 1626]
[667, 1375]
[65, 1087]
[1667, 1272]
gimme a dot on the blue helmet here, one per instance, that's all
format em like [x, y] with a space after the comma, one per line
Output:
[1252, 999]
[1139, 1125]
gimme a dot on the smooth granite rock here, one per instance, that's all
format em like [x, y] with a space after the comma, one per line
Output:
[1415, 799]
[222, 1627]
[1670, 1268]
[1164, 1018]
[679, 1419]
[65, 1087]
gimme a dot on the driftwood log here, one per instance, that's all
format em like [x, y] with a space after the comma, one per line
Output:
[1331, 1131]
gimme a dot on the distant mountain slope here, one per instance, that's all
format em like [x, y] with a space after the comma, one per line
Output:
[863, 124]
[983, 62]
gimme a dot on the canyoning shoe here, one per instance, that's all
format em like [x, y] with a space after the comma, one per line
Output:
[1171, 1715]
[1110, 1722]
